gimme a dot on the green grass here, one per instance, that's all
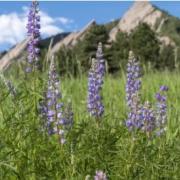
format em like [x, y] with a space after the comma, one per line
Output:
[27, 152]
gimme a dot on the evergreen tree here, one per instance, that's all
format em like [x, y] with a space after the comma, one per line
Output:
[117, 54]
[167, 58]
[66, 63]
[145, 45]
[85, 50]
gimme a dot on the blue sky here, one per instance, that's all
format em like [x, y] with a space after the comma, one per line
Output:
[63, 16]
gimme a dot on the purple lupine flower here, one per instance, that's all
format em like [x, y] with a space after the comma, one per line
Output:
[161, 112]
[58, 120]
[133, 86]
[33, 31]
[148, 118]
[135, 115]
[100, 175]
[95, 82]
[101, 64]
[143, 117]
[164, 88]
[53, 108]
[53, 103]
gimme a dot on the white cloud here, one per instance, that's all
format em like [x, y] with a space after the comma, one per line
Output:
[49, 30]
[64, 20]
[13, 26]
[48, 26]
[111, 20]
[46, 19]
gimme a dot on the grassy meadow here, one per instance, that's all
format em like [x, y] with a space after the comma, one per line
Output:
[37, 145]
[29, 153]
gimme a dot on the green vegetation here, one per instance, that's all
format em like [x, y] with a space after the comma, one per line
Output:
[27, 152]
[117, 55]
[143, 41]
[171, 28]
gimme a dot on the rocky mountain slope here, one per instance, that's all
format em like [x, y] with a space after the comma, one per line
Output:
[142, 12]
[167, 28]
[72, 39]
[62, 39]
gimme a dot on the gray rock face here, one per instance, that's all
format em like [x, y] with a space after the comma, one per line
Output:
[12, 54]
[140, 12]
[165, 40]
[72, 39]
[69, 41]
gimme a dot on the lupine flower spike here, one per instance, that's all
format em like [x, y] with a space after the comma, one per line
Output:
[95, 82]
[148, 119]
[143, 117]
[161, 113]
[57, 120]
[54, 104]
[133, 86]
[100, 175]
[101, 64]
[33, 31]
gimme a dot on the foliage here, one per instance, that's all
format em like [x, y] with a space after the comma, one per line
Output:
[109, 26]
[117, 54]
[27, 152]
[167, 58]
[144, 44]
[92, 146]
[79, 57]
[74, 61]
[67, 64]
[171, 28]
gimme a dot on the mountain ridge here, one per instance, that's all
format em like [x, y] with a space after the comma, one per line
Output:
[139, 12]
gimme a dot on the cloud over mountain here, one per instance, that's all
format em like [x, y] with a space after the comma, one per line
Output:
[13, 26]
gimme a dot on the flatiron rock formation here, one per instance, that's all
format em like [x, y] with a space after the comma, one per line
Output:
[140, 12]
[72, 39]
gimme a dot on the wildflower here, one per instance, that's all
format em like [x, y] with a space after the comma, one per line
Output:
[100, 175]
[143, 117]
[133, 86]
[53, 103]
[95, 82]
[57, 120]
[148, 118]
[164, 88]
[33, 32]
[161, 112]
[135, 115]
[101, 64]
